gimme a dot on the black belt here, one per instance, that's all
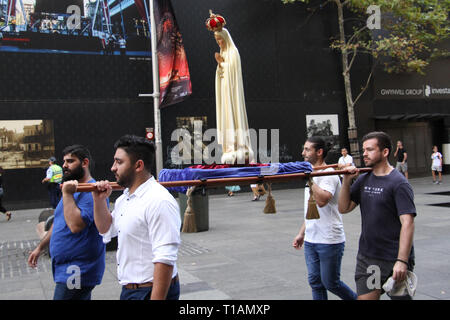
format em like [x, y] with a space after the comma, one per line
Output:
[147, 284]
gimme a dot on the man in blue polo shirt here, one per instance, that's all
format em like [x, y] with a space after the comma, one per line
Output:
[76, 247]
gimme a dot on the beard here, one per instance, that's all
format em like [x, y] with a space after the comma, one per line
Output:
[126, 179]
[75, 174]
[312, 159]
[372, 162]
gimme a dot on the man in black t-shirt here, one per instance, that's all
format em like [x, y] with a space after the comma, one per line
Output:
[402, 157]
[387, 207]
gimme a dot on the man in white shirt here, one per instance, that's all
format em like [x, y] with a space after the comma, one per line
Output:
[324, 238]
[146, 220]
[346, 160]
[436, 165]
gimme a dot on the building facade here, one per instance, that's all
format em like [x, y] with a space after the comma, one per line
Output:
[291, 76]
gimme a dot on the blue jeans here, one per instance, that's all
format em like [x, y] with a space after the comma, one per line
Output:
[145, 293]
[64, 293]
[324, 270]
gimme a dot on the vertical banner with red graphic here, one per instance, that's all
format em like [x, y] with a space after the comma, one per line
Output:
[12, 8]
[174, 78]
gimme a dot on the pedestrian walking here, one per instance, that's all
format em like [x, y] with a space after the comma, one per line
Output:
[53, 178]
[146, 221]
[232, 190]
[436, 165]
[345, 160]
[402, 159]
[76, 247]
[258, 191]
[387, 208]
[323, 238]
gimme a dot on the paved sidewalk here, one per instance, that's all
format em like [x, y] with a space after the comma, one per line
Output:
[245, 254]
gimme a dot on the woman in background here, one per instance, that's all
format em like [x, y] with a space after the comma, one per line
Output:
[436, 166]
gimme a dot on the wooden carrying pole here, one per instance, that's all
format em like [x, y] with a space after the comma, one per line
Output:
[335, 165]
[88, 187]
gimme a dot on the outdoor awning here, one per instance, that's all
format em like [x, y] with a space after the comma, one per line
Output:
[413, 116]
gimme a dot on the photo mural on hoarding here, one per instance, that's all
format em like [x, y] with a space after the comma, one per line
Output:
[189, 147]
[107, 27]
[325, 126]
[26, 143]
[90, 41]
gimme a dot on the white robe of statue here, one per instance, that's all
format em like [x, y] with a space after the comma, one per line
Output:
[232, 124]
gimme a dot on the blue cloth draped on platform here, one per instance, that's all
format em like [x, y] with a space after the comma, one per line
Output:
[234, 172]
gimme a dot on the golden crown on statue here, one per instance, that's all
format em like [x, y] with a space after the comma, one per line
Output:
[215, 22]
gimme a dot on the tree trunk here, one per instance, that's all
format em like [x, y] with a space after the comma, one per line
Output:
[352, 131]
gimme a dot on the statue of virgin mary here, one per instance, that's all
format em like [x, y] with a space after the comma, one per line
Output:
[231, 115]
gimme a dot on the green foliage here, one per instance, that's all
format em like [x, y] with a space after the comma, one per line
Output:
[413, 32]
[292, 1]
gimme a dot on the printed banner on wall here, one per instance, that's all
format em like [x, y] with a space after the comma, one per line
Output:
[95, 27]
[26, 143]
[174, 77]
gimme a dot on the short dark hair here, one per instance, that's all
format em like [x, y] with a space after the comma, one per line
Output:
[79, 151]
[318, 144]
[138, 148]
[383, 140]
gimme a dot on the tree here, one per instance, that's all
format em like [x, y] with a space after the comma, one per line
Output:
[411, 36]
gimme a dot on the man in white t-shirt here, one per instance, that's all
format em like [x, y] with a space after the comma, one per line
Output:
[345, 161]
[436, 165]
[146, 221]
[324, 238]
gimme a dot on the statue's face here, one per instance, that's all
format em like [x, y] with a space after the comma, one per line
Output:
[220, 42]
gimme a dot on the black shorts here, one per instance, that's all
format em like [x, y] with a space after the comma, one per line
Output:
[372, 273]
